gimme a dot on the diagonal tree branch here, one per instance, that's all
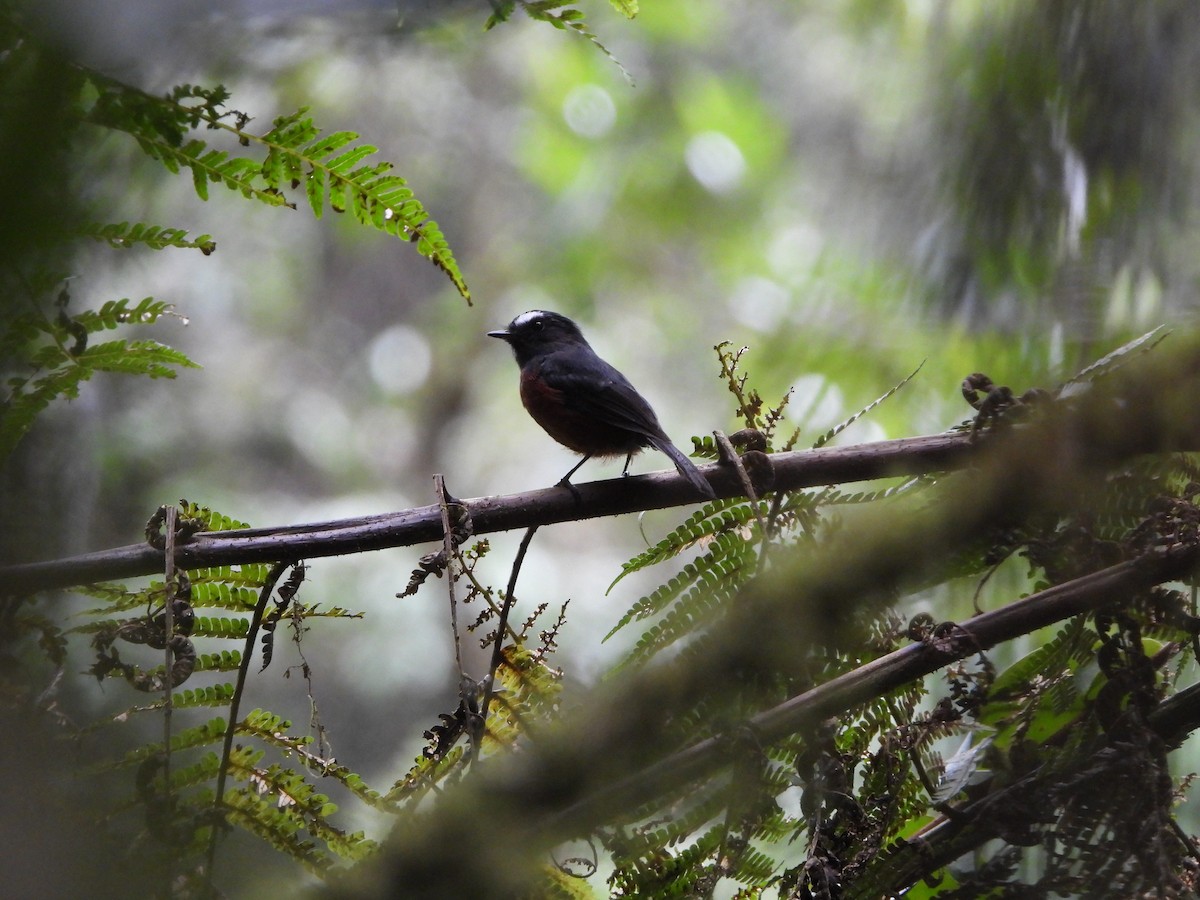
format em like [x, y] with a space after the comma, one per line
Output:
[877, 678]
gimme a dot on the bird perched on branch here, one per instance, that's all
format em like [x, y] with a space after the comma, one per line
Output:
[582, 401]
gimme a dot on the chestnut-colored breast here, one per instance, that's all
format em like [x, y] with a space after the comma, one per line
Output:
[584, 433]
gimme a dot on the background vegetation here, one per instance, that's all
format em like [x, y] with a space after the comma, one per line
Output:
[848, 191]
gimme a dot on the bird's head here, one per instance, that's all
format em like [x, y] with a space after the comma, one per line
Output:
[539, 331]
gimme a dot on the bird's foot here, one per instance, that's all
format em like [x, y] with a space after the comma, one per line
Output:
[564, 482]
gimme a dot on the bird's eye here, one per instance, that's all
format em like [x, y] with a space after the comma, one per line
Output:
[538, 324]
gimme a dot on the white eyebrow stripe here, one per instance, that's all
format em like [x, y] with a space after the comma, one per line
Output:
[526, 317]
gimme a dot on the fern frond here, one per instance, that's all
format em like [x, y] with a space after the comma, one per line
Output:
[69, 368]
[713, 583]
[211, 732]
[699, 808]
[272, 729]
[296, 156]
[235, 173]
[668, 873]
[224, 661]
[834, 497]
[425, 774]
[276, 825]
[559, 884]
[1110, 362]
[283, 790]
[208, 626]
[252, 575]
[115, 313]
[124, 236]
[212, 695]
[186, 698]
[528, 682]
[62, 361]
[843, 425]
[328, 168]
[563, 17]
[202, 772]
[755, 867]
[17, 332]
[720, 516]
[135, 358]
[729, 554]
[215, 521]
[21, 408]
[219, 595]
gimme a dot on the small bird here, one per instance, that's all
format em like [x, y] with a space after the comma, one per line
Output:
[580, 400]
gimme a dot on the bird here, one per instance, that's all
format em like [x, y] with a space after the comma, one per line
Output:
[583, 402]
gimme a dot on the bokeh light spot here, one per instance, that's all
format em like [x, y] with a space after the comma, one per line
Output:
[589, 111]
[399, 359]
[715, 161]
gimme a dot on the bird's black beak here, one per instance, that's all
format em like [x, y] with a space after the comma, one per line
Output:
[503, 335]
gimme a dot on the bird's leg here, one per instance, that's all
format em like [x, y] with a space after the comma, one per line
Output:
[565, 481]
[628, 460]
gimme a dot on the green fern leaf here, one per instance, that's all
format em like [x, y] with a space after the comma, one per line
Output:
[425, 775]
[277, 826]
[212, 695]
[564, 19]
[187, 698]
[252, 575]
[221, 596]
[501, 12]
[727, 541]
[272, 729]
[833, 497]
[334, 612]
[714, 518]
[135, 358]
[225, 661]
[202, 772]
[211, 732]
[115, 313]
[215, 521]
[842, 426]
[124, 236]
[19, 332]
[1110, 362]
[18, 412]
[326, 166]
[709, 586]
[206, 626]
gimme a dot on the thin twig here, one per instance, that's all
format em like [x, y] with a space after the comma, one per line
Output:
[264, 597]
[498, 643]
[439, 485]
[172, 513]
[485, 594]
[730, 455]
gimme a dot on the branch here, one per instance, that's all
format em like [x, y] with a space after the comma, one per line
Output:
[659, 490]
[877, 678]
[948, 837]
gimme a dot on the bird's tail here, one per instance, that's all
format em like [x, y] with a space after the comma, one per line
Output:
[686, 468]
